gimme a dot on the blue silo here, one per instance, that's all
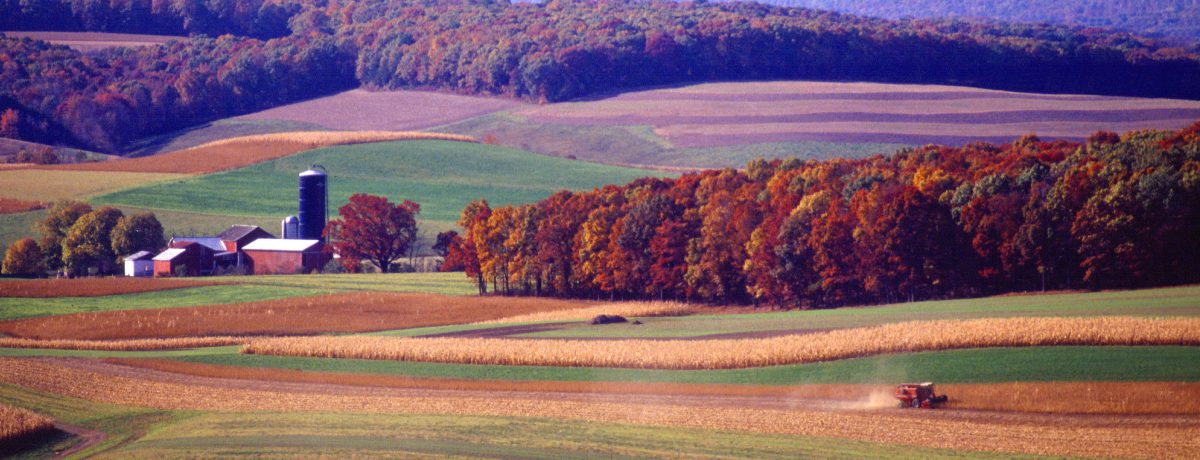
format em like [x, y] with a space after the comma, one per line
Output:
[314, 194]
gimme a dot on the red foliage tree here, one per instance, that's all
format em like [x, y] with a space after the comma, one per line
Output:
[374, 229]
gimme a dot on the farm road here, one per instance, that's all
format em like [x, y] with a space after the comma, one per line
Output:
[1064, 435]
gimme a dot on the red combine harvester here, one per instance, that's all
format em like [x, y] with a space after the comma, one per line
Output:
[918, 395]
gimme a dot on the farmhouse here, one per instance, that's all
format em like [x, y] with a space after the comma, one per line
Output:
[140, 263]
[189, 257]
[282, 256]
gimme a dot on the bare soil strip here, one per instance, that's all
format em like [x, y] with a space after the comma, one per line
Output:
[94, 287]
[1074, 435]
[1146, 398]
[89, 438]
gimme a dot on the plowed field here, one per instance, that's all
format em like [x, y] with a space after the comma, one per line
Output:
[341, 312]
[1062, 435]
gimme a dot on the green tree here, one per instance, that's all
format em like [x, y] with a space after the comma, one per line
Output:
[54, 227]
[139, 232]
[23, 257]
[89, 242]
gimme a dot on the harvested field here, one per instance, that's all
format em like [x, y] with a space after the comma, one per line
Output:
[743, 353]
[94, 287]
[642, 309]
[18, 424]
[1128, 398]
[124, 345]
[723, 114]
[57, 184]
[242, 151]
[361, 109]
[342, 312]
[1060, 435]
[90, 41]
[13, 205]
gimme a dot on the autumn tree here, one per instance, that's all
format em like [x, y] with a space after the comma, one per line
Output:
[139, 232]
[474, 220]
[54, 227]
[374, 229]
[24, 257]
[88, 245]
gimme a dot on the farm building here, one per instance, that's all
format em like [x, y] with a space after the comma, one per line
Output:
[195, 258]
[238, 236]
[282, 256]
[140, 263]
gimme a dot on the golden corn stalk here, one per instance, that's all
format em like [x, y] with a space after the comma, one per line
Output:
[743, 353]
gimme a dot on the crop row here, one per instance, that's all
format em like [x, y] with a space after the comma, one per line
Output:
[744, 353]
[18, 424]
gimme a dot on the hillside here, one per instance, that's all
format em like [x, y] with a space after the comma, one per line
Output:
[1174, 18]
[729, 124]
[549, 52]
[442, 176]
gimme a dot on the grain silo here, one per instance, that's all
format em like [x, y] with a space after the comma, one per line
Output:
[314, 194]
[290, 228]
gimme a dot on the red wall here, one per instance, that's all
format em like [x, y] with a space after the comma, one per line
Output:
[284, 263]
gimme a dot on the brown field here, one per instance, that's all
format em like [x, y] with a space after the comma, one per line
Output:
[360, 109]
[13, 205]
[36, 184]
[124, 345]
[242, 151]
[94, 287]
[1130, 398]
[1161, 436]
[342, 312]
[90, 41]
[720, 114]
[743, 353]
[17, 423]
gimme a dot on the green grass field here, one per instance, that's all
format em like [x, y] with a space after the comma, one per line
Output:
[149, 433]
[17, 307]
[244, 289]
[442, 176]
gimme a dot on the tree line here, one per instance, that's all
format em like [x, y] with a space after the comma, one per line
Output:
[78, 240]
[549, 51]
[924, 223]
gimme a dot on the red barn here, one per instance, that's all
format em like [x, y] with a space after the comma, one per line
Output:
[196, 258]
[280, 256]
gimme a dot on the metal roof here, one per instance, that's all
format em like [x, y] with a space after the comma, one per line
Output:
[278, 244]
[138, 255]
[170, 254]
[210, 242]
[237, 232]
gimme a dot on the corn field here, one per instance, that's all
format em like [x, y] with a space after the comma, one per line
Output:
[17, 423]
[743, 353]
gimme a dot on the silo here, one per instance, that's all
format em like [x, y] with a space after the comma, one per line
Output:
[291, 228]
[314, 193]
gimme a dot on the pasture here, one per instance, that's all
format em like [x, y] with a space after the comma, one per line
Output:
[442, 176]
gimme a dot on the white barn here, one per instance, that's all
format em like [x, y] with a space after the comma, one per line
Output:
[140, 263]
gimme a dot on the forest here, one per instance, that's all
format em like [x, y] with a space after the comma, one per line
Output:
[1175, 18]
[271, 52]
[924, 223]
